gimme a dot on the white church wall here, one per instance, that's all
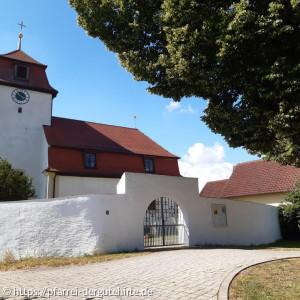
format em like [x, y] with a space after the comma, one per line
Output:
[72, 185]
[22, 133]
[73, 226]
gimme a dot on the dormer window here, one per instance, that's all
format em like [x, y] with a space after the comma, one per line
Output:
[21, 72]
[90, 160]
[149, 165]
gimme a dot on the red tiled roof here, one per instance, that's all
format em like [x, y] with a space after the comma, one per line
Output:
[93, 136]
[37, 80]
[254, 178]
[21, 56]
[213, 189]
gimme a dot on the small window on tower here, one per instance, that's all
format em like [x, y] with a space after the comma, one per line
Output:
[21, 72]
[90, 160]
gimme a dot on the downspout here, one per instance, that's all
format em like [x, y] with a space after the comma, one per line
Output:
[54, 181]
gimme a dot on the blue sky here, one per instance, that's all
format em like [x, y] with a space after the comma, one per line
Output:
[94, 87]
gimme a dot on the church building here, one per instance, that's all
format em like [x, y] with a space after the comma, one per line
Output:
[112, 188]
[66, 157]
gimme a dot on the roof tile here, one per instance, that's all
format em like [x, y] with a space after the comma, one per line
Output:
[22, 56]
[213, 189]
[254, 178]
[94, 136]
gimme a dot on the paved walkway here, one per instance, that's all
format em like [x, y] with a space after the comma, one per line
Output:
[178, 274]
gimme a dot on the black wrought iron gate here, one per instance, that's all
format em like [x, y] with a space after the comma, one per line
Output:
[164, 224]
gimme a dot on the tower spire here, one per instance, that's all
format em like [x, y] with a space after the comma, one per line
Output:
[20, 35]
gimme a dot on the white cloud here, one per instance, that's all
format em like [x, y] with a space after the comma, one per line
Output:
[205, 163]
[173, 106]
[189, 110]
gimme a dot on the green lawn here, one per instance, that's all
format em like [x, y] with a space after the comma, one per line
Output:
[271, 280]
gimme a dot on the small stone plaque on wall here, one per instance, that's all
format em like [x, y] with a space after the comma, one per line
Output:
[219, 215]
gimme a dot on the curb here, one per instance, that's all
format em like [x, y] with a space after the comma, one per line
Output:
[223, 293]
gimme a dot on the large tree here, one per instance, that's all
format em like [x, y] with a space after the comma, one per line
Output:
[14, 185]
[242, 56]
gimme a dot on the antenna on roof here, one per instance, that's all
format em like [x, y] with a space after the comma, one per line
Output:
[20, 35]
[134, 121]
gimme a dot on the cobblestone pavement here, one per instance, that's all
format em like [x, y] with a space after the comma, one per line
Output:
[178, 274]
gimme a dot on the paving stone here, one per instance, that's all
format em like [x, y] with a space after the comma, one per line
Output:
[179, 274]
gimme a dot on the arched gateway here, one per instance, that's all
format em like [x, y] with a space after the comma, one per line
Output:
[164, 224]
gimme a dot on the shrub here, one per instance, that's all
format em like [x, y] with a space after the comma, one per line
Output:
[9, 258]
[14, 185]
[289, 216]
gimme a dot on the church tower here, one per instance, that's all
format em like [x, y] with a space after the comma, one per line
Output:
[25, 106]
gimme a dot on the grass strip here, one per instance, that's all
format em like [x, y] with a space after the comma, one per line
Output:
[271, 280]
[32, 262]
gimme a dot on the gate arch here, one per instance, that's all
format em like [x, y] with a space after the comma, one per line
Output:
[164, 224]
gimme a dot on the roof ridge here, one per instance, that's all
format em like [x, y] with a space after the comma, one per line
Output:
[221, 192]
[221, 182]
[250, 162]
[17, 51]
[10, 52]
[96, 123]
[31, 57]
[218, 180]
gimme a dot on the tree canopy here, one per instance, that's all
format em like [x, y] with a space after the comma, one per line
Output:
[242, 56]
[289, 215]
[14, 185]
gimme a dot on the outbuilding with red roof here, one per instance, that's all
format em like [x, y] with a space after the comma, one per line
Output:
[255, 181]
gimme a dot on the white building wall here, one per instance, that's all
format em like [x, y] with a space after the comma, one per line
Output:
[272, 198]
[77, 225]
[21, 134]
[72, 185]
[44, 165]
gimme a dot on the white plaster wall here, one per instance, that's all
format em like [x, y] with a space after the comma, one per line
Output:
[21, 135]
[56, 227]
[272, 199]
[72, 186]
[74, 226]
[248, 223]
[44, 165]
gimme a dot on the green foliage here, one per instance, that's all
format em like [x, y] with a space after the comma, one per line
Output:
[14, 185]
[243, 56]
[289, 216]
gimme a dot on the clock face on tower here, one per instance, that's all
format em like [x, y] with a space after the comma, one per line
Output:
[20, 96]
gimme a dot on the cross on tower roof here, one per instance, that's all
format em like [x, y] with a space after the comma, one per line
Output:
[20, 35]
[21, 25]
